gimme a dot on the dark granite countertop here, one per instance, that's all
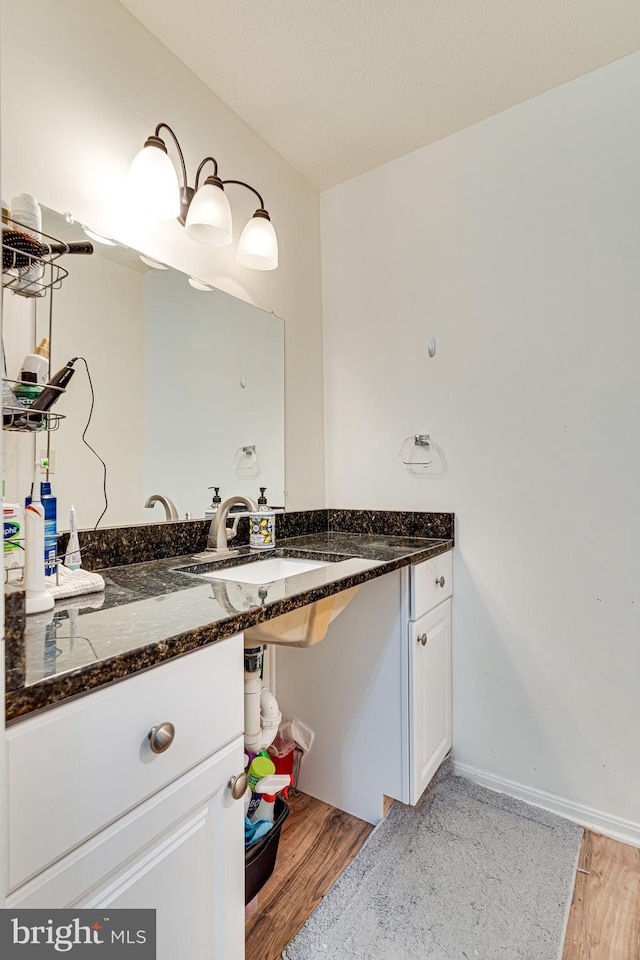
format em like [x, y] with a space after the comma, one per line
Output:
[151, 612]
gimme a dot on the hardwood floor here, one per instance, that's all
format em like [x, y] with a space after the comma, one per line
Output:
[318, 842]
[604, 923]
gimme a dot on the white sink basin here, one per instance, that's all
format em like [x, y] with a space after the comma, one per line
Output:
[251, 584]
[266, 571]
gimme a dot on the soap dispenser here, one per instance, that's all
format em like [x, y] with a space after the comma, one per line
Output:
[216, 500]
[262, 501]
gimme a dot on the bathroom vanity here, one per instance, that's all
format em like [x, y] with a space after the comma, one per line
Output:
[124, 797]
[377, 691]
[98, 819]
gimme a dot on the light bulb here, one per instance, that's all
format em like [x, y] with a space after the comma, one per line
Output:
[209, 217]
[153, 184]
[258, 246]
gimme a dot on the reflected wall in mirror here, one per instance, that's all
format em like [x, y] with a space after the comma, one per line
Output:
[186, 382]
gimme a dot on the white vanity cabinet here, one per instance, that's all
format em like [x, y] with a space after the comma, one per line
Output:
[377, 697]
[97, 819]
[429, 670]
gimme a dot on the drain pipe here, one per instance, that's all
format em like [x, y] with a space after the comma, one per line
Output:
[261, 713]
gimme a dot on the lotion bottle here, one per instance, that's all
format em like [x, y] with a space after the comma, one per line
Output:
[216, 500]
[37, 362]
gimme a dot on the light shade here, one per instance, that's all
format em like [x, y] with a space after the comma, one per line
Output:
[209, 217]
[258, 246]
[153, 184]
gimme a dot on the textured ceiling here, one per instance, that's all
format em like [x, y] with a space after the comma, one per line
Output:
[342, 86]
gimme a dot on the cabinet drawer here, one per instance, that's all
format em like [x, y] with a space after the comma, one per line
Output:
[431, 583]
[80, 766]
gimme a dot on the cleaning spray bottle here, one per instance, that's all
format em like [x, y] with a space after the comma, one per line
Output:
[260, 767]
[269, 787]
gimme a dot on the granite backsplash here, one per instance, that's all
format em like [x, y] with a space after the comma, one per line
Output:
[117, 546]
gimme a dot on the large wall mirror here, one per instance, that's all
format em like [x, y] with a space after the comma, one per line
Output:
[188, 385]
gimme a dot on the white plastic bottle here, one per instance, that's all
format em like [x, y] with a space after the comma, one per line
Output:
[73, 557]
[38, 362]
[13, 516]
[38, 598]
[25, 210]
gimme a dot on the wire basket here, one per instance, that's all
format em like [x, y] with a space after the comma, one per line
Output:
[23, 419]
[29, 260]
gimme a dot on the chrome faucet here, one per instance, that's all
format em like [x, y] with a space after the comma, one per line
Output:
[169, 506]
[217, 539]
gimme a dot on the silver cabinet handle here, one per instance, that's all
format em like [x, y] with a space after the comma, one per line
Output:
[238, 786]
[440, 582]
[161, 737]
[423, 638]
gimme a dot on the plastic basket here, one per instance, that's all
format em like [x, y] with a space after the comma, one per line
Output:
[260, 857]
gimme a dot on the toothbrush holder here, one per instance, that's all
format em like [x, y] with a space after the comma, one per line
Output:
[262, 530]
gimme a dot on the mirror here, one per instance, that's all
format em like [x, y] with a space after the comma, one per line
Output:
[188, 388]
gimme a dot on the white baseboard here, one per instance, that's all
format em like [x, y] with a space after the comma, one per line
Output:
[627, 831]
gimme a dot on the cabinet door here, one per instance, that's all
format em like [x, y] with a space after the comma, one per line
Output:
[180, 853]
[430, 695]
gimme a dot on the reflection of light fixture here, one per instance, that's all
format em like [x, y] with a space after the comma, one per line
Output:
[198, 284]
[99, 238]
[203, 210]
[150, 262]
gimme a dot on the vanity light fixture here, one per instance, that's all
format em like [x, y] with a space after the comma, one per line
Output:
[203, 210]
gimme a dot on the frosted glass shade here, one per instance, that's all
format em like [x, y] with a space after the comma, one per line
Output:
[209, 217]
[153, 184]
[258, 247]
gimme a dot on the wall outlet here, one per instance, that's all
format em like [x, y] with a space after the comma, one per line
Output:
[47, 463]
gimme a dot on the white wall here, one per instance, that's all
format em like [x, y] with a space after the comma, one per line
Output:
[83, 84]
[516, 243]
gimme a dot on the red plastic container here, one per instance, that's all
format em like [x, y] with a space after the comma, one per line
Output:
[281, 752]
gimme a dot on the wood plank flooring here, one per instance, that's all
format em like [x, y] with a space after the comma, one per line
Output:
[604, 923]
[318, 842]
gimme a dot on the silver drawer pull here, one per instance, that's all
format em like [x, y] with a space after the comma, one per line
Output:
[238, 786]
[161, 737]
[423, 638]
[440, 582]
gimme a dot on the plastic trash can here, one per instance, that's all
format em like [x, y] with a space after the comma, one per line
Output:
[260, 857]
